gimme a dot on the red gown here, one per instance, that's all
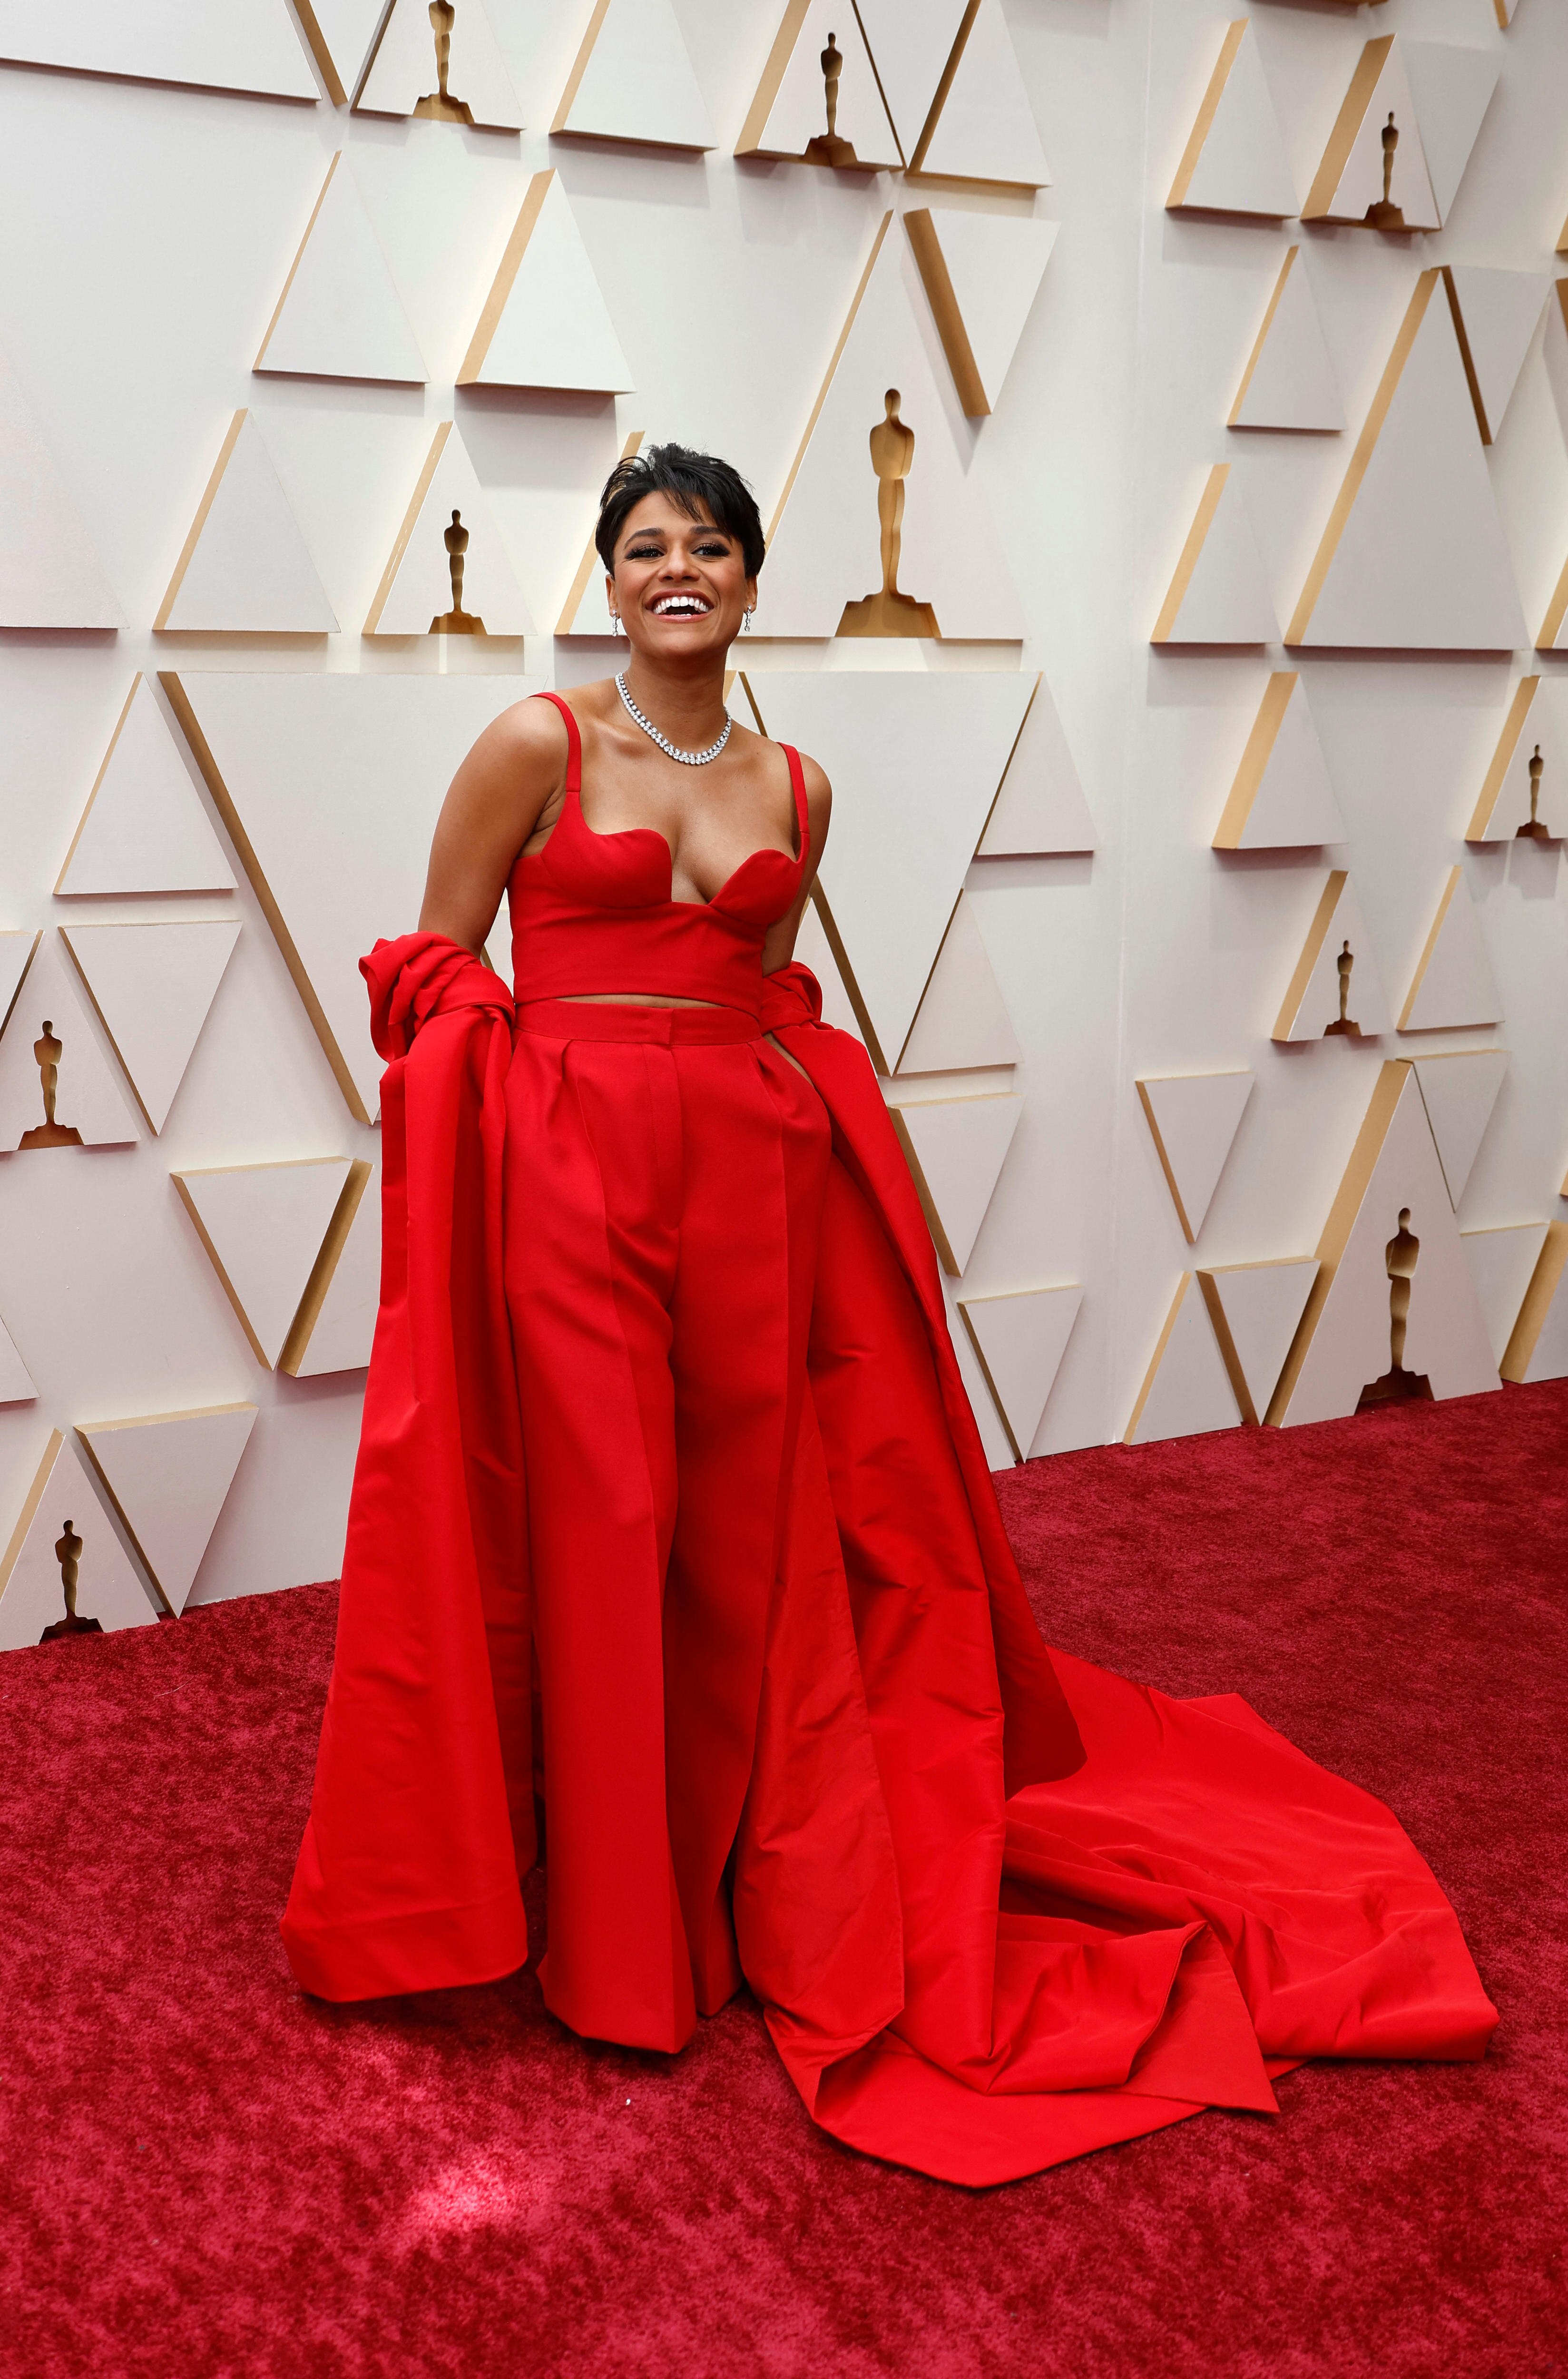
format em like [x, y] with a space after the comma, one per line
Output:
[663, 1434]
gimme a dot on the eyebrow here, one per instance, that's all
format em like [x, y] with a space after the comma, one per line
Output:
[701, 528]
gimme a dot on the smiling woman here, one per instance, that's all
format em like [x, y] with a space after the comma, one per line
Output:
[672, 1525]
[681, 543]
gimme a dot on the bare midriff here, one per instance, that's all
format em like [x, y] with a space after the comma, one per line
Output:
[637, 999]
[667, 999]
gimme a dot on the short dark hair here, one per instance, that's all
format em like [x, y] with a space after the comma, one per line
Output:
[691, 481]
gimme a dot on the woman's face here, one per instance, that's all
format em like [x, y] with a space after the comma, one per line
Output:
[679, 584]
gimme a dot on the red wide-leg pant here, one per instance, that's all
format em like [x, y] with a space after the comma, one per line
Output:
[665, 1171]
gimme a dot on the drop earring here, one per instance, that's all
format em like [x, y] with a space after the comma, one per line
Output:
[746, 623]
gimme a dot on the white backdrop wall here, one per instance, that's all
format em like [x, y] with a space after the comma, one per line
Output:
[153, 227]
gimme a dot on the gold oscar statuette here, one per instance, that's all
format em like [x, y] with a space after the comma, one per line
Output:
[888, 612]
[439, 105]
[1343, 1023]
[67, 1552]
[1398, 1386]
[457, 622]
[827, 149]
[48, 1050]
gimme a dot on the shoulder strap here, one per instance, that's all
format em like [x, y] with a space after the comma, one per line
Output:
[573, 741]
[797, 784]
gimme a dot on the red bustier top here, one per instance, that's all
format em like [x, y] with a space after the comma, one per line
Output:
[593, 913]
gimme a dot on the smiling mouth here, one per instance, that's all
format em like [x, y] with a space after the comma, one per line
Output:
[681, 607]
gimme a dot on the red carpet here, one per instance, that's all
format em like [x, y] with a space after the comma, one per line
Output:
[202, 2172]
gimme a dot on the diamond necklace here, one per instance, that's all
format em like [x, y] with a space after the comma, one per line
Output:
[687, 759]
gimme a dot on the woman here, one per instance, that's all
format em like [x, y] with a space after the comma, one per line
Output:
[663, 1433]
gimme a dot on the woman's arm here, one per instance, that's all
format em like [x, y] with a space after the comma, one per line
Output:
[779, 946]
[492, 807]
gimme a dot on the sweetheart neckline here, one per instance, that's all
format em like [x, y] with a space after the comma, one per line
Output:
[767, 851]
[619, 834]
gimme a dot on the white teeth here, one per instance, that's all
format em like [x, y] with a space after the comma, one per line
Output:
[680, 606]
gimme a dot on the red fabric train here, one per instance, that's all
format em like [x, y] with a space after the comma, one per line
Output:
[999, 1906]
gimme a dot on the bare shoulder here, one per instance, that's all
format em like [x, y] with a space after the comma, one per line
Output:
[505, 780]
[529, 736]
[819, 798]
[819, 792]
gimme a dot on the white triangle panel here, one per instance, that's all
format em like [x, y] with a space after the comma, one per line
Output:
[168, 1477]
[910, 48]
[1498, 312]
[1282, 798]
[1289, 381]
[1393, 1169]
[246, 567]
[339, 316]
[545, 324]
[1187, 1389]
[1414, 555]
[1459, 1092]
[144, 828]
[1503, 1264]
[913, 757]
[415, 588]
[1021, 1339]
[961, 1021]
[88, 1098]
[825, 546]
[1219, 595]
[339, 33]
[330, 782]
[262, 1225]
[1452, 88]
[1234, 161]
[1040, 805]
[1324, 990]
[985, 129]
[982, 274]
[1261, 1305]
[61, 1506]
[1358, 164]
[152, 987]
[245, 45]
[956, 1150]
[50, 573]
[1194, 1118]
[1537, 1345]
[16, 1380]
[1525, 790]
[1506, 12]
[404, 77]
[333, 1331]
[788, 117]
[632, 79]
[1453, 983]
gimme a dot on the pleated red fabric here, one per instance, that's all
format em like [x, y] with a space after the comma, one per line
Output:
[422, 1817]
[662, 1386]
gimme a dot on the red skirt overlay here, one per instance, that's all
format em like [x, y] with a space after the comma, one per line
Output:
[662, 1387]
